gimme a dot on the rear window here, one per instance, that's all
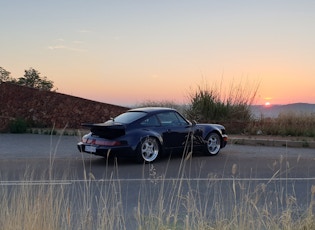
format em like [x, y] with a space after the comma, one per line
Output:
[129, 117]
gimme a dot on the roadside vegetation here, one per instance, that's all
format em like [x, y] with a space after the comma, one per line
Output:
[286, 124]
[216, 103]
[18, 125]
[228, 106]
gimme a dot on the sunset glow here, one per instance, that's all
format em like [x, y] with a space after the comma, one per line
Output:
[127, 52]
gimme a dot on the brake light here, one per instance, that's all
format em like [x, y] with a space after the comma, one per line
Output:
[108, 143]
[93, 141]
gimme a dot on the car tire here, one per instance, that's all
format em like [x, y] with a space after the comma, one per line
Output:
[148, 150]
[213, 144]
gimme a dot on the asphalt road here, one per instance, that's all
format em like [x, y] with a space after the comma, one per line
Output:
[54, 160]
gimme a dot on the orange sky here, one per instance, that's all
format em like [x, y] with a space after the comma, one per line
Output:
[126, 53]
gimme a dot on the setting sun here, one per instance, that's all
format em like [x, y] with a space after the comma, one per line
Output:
[267, 104]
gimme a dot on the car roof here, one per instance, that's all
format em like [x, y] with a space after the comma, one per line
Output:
[152, 109]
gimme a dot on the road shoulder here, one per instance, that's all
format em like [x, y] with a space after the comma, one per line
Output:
[276, 141]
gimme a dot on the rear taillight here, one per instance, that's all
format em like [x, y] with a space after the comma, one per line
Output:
[93, 141]
[108, 143]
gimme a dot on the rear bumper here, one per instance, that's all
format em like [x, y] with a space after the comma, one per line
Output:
[105, 151]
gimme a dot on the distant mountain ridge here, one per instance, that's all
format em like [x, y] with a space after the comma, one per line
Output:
[274, 110]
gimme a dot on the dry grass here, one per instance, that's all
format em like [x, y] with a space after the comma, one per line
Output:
[162, 204]
[286, 124]
[33, 207]
[217, 103]
[52, 206]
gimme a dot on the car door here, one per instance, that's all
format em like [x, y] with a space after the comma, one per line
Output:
[175, 129]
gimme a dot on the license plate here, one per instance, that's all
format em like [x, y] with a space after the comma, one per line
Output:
[90, 149]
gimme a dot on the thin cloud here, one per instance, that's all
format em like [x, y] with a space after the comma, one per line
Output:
[61, 47]
[73, 46]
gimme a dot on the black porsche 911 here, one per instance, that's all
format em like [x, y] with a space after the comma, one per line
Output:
[146, 133]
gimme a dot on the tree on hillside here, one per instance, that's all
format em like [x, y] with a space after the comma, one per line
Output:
[32, 79]
[5, 75]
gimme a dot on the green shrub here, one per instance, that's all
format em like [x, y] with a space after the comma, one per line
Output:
[210, 104]
[232, 109]
[19, 125]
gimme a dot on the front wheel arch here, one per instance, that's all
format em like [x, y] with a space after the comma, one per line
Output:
[213, 143]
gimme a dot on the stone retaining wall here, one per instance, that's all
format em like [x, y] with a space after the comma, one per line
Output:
[50, 109]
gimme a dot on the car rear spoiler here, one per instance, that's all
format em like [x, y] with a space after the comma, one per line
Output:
[106, 130]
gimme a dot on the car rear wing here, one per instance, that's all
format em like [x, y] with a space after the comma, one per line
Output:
[105, 130]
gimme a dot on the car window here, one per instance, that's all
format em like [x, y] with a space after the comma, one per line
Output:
[171, 119]
[181, 120]
[150, 121]
[129, 117]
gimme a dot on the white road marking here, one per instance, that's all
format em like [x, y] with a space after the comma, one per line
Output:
[70, 182]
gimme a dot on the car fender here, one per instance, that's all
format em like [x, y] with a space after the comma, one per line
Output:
[210, 128]
[136, 136]
[206, 129]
